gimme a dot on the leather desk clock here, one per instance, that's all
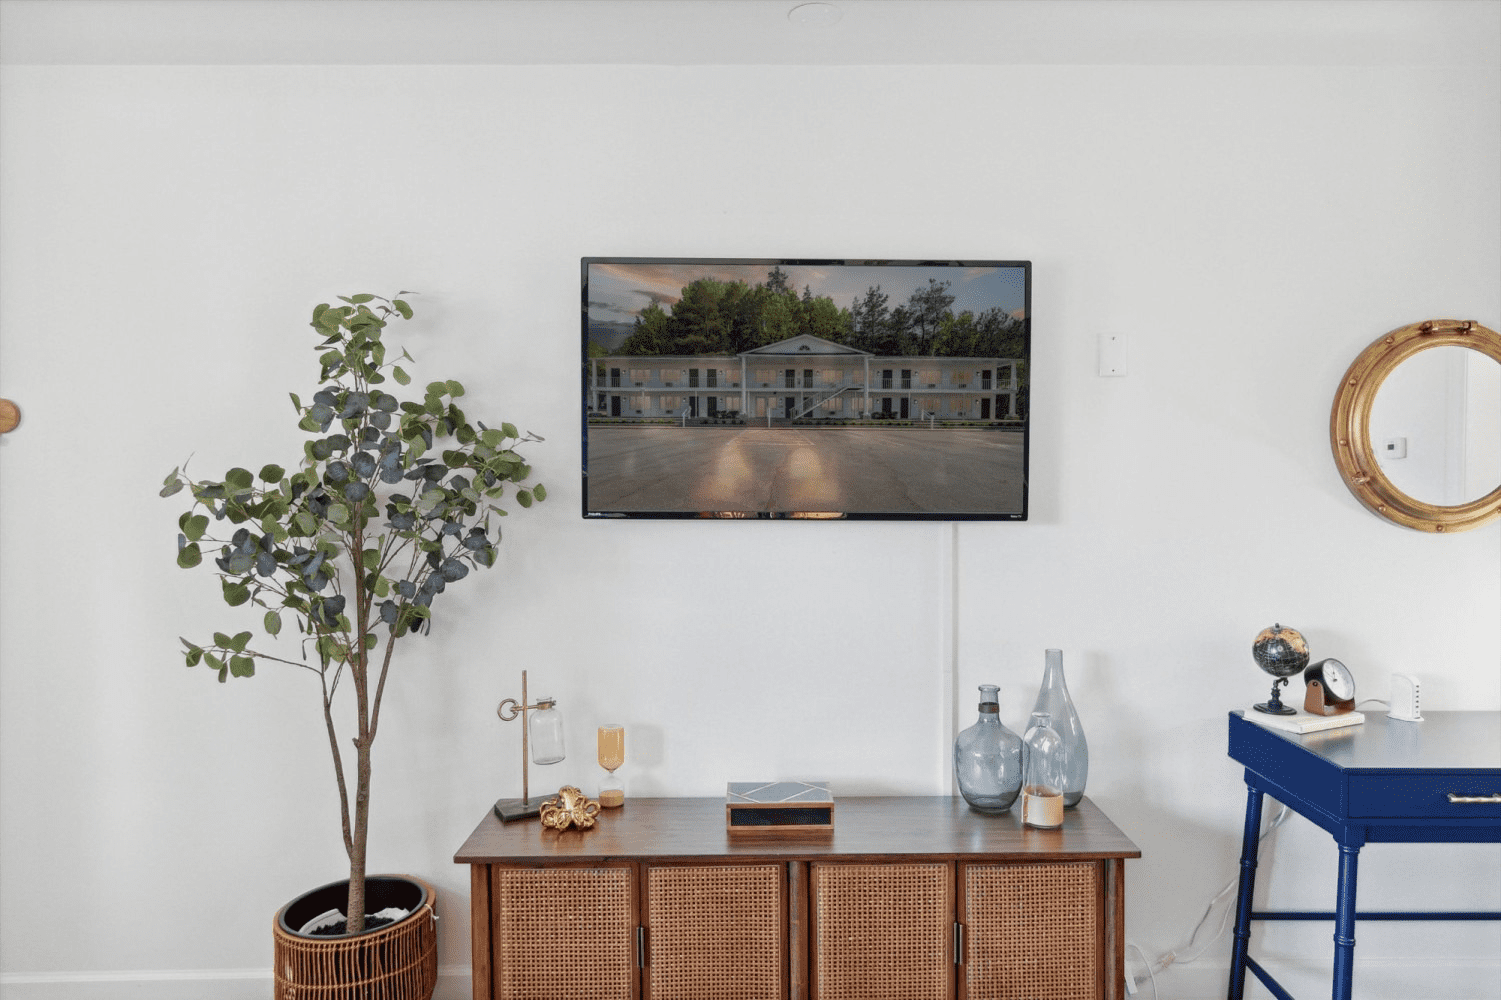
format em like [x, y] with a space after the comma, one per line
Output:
[1331, 688]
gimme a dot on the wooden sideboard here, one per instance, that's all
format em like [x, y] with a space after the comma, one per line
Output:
[907, 898]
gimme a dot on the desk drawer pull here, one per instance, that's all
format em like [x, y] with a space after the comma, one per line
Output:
[1496, 798]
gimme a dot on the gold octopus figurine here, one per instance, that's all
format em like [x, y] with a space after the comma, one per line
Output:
[569, 807]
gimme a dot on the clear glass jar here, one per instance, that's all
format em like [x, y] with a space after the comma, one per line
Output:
[1053, 698]
[546, 725]
[988, 758]
[1042, 789]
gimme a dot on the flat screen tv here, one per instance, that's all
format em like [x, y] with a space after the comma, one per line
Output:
[784, 388]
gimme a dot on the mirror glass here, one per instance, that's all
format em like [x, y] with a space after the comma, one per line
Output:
[1436, 426]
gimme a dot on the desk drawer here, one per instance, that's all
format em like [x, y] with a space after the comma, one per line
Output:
[1407, 796]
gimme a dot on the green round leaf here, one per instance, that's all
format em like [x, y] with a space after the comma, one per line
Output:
[272, 473]
[539, 491]
[400, 375]
[272, 623]
[189, 556]
[524, 498]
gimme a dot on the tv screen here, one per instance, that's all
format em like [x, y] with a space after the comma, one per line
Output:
[782, 388]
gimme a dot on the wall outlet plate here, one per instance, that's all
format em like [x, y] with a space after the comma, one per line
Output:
[1112, 355]
[1406, 705]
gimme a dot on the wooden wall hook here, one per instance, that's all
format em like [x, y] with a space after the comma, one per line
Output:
[10, 416]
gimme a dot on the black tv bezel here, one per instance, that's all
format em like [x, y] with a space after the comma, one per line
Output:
[772, 262]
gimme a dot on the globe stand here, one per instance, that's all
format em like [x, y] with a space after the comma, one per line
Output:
[1275, 706]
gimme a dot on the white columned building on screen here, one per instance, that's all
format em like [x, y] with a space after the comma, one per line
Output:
[804, 378]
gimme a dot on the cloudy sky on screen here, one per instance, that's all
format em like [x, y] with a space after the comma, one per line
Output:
[618, 291]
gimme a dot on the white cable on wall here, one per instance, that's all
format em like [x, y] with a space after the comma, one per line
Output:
[1134, 981]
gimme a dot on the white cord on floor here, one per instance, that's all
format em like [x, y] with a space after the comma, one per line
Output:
[1150, 973]
[1171, 957]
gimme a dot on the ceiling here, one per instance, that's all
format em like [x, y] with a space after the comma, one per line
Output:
[751, 32]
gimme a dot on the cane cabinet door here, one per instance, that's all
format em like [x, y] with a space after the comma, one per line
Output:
[715, 932]
[564, 933]
[882, 931]
[1031, 931]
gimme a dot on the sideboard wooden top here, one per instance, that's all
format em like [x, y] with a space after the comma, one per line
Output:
[930, 827]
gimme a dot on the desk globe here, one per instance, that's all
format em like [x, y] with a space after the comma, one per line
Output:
[1281, 652]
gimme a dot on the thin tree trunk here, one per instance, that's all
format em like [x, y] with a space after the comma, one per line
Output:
[360, 662]
[356, 910]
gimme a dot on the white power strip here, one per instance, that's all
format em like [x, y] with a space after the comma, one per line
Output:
[1406, 703]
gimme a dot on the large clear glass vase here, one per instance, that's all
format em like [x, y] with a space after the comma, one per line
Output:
[988, 758]
[1053, 699]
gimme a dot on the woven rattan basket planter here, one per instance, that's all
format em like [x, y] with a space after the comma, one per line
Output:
[395, 962]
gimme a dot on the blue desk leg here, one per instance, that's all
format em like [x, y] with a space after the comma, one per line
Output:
[1344, 922]
[1247, 889]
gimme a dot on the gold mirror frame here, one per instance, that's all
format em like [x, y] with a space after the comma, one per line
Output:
[1350, 426]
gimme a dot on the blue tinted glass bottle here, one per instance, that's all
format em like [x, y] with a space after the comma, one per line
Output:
[988, 758]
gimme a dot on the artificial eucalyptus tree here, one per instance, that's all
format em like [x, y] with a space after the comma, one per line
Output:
[392, 502]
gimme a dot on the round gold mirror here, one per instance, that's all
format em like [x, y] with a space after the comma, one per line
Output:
[1459, 442]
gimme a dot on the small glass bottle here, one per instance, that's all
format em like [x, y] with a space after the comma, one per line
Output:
[1053, 698]
[988, 759]
[547, 732]
[1042, 790]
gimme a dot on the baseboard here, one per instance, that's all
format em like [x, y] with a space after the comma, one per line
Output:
[1375, 979]
[179, 984]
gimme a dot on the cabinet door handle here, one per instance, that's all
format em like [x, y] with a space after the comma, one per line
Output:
[640, 947]
[958, 943]
[1457, 798]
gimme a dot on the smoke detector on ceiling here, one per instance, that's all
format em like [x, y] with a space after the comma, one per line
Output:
[817, 15]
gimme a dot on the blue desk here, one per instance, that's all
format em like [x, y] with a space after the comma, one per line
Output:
[1380, 782]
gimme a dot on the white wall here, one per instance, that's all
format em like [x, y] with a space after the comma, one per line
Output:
[166, 231]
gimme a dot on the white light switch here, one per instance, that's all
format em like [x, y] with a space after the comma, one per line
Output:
[1112, 354]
